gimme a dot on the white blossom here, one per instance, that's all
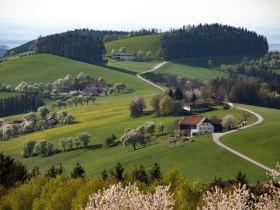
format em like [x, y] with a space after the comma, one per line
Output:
[130, 198]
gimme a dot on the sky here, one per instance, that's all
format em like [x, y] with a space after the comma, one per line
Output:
[28, 19]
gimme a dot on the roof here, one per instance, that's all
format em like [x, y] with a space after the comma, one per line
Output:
[96, 84]
[192, 120]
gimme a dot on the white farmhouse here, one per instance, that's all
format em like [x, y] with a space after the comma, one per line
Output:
[195, 125]
[128, 56]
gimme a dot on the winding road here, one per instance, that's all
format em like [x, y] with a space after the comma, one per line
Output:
[217, 136]
[153, 69]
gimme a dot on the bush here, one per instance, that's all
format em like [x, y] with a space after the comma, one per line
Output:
[110, 140]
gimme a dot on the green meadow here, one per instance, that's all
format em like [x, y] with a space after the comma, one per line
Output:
[136, 44]
[198, 68]
[200, 159]
[261, 142]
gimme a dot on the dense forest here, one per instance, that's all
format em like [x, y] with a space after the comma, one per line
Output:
[72, 45]
[19, 104]
[211, 40]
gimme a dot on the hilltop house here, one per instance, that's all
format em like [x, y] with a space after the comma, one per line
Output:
[196, 107]
[95, 88]
[128, 56]
[198, 125]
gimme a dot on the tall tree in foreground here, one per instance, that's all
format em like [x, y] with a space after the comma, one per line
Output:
[78, 172]
[11, 171]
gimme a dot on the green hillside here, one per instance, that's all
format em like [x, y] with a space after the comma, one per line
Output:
[48, 68]
[198, 68]
[262, 142]
[136, 44]
[201, 159]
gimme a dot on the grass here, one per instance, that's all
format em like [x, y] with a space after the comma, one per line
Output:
[201, 159]
[48, 68]
[198, 68]
[136, 44]
[262, 142]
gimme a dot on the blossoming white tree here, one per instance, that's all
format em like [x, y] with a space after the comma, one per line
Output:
[242, 198]
[130, 198]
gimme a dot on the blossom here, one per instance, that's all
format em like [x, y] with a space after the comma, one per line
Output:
[130, 198]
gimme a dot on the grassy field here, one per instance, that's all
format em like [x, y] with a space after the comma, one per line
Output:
[198, 68]
[262, 142]
[48, 68]
[198, 160]
[201, 159]
[136, 44]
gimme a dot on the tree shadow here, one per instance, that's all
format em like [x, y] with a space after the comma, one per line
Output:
[120, 70]
[202, 62]
[94, 147]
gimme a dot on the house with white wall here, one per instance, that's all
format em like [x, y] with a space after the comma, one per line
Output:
[127, 56]
[195, 125]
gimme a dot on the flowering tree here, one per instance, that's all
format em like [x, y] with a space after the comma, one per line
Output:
[150, 127]
[242, 198]
[132, 137]
[228, 122]
[130, 198]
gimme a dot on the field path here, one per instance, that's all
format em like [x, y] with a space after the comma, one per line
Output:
[153, 69]
[217, 136]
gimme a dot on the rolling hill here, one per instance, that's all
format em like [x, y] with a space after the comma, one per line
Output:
[198, 160]
[136, 44]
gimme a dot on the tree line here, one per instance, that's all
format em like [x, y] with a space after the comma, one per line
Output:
[31, 123]
[104, 35]
[21, 189]
[20, 104]
[211, 40]
[72, 45]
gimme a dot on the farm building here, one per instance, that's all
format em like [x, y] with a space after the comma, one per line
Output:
[198, 125]
[128, 56]
[95, 88]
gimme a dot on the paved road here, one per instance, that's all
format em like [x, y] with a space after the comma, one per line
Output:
[153, 69]
[217, 136]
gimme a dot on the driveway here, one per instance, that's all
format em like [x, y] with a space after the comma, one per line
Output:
[217, 136]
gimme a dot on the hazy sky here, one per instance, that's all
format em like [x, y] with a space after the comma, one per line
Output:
[130, 14]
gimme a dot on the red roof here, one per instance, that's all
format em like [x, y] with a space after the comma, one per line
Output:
[96, 84]
[191, 120]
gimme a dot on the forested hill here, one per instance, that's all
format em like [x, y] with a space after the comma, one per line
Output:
[105, 35]
[211, 40]
[72, 45]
